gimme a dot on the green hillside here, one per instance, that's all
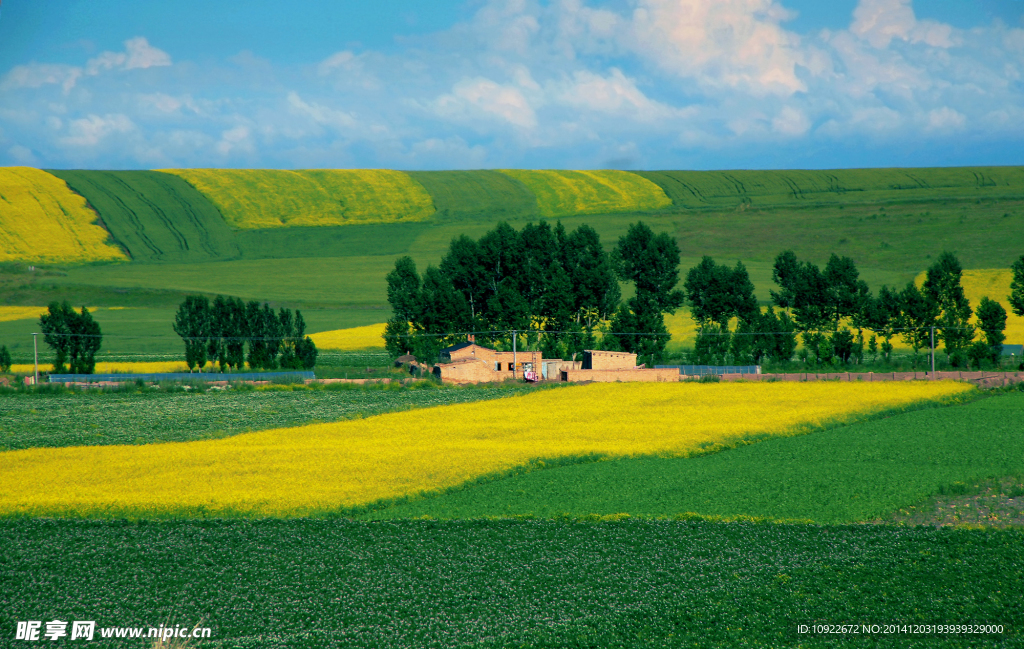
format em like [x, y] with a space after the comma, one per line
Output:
[155, 216]
[695, 189]
[477, 194]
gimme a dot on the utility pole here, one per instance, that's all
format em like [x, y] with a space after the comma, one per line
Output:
[933, 353]
[514, 363]
[35, 354]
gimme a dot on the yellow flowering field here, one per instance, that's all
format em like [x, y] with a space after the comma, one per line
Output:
[120, 367]
[324, 467]
[267, 198]
[351, 338]
[9, 313]
[563, 193]
[41, 220]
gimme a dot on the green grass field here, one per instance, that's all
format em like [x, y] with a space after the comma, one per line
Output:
[696, 189]
[148, 332]
[490, 584]
[98, 418]
[485, 195]
[847, 474]
[155, 216]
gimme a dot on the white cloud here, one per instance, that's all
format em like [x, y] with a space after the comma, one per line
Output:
[614, 94]
[237, 139]
[880, 21]
[138, 54]
[482, 96]
[35, 75]
[22, 155]
[731, 43]
[945, 119]
[791, 122]
[93, 129]
[321, 115]
[164, 103]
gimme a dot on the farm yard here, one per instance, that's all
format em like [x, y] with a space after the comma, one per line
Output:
[422, 514]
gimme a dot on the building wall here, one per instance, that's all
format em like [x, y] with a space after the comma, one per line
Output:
[624, 375]
[604, 360]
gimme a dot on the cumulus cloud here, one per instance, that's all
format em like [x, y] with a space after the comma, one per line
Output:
[236, 140]
[880, 21]
[321, 115]
[614, 94]
[138, 54]
[478, 97]
[92, 130]
[543, 82]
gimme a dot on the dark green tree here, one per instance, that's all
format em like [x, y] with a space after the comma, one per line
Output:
[917, 316]
[443, 317]
[804, 290]
[405, 300]
[74, 337]
[1016, 296]
[718, 293]
[305, 348]
[286, 324]
[591, 275]
[943, 290]
[845, 292]
[255, 336]
[234, 329]
[992, 322]
[651, 263]
[192, 323]
[5, 359]
[220, 324]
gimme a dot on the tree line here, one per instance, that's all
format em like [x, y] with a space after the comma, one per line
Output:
[561, 288]
[556, 287]
[826, 305]
[231, 333]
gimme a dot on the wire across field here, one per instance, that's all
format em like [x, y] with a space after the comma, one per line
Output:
[329, 467]
[41, 220]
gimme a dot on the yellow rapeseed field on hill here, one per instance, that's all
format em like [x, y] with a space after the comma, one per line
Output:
[993, 283]
[265, 198]
[41, 220]
[325, 467]
[351, 338]
[563, 193]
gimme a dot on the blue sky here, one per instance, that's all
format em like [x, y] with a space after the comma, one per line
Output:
[423, 84]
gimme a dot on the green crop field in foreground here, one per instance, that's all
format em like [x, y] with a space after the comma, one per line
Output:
[94, 418]
[852, 473]
[336, 583]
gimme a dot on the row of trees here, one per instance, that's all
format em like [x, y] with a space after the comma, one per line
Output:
[231, 333]
[553, 285]
[74, 338]
[827, 305]
[558, 288]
